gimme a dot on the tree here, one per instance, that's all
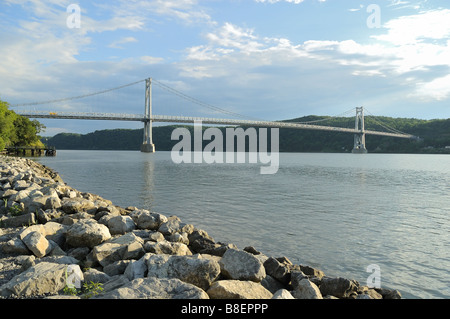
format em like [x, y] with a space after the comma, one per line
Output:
[16, 130]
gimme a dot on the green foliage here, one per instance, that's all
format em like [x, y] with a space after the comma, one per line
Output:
[70, 291]
[15, 210]
[91, 289]
[87, 291]
[434, 134]
[16, 130]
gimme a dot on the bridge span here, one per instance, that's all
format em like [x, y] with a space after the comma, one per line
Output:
[204, 120]
[148, 118]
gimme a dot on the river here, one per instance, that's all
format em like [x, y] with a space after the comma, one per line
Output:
[339, 213]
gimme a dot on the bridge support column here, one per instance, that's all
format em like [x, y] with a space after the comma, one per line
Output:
[147, 145]
[359, 146]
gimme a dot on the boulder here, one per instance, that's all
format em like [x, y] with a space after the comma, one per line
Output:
[43, 278]
[277, 270]
[236, 289]
[128, 246]
[282, 294]
[94, 275]
[272, 284]
[15, 246]
[305, 289]
[174, 225]
[312, 272]
[337, 287]
[37, 243]
[389, 293]
[155, 288]
[75, 205]
[119, 225]
[19, 221]
[146, 220]
[191, 269]
[136, 269]
[241, 265]
[87, 233]
[167, 247]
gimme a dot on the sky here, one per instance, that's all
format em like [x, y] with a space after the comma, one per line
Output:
[264, 59]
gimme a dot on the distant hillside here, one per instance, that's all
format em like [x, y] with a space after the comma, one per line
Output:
[434, 134]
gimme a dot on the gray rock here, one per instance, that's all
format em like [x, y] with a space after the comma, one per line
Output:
[146, 220]
[305, 289]
[94, 275]
[43, 278]
[282, 294]
[272, 284]
[119, 225]
[191, 269]
[338, 287]
[296, 277]
[174, 225]
[236, 289]
[75, 205]
[312, 272]
[16, 246]
[277, 270]
[241, 265]
[87, 233]
[136, 269]
[166, 247]
[389, 293]
[155, 288]
[116, 268]
[37, 243]
[34, 228]
[18, 221]
[127, 246]
[179, 238]
[21, 185]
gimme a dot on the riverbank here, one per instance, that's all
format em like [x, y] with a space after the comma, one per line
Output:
[55, 238]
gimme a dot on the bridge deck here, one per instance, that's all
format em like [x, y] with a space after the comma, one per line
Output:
[204, 120]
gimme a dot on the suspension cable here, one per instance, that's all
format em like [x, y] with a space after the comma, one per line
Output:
[385, 126]
[79, 96]
[327, 118]
[198, 102]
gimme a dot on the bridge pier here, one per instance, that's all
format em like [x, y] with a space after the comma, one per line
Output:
[359, 146]
[147, 145]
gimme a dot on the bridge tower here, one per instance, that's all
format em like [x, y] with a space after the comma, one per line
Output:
[360, 138]
[148, 146]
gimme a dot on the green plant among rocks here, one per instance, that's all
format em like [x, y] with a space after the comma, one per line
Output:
[87, 291]
[91, 289]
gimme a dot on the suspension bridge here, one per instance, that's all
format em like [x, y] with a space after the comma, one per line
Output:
[148, 118]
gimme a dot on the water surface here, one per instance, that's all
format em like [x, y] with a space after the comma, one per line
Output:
[337, 212]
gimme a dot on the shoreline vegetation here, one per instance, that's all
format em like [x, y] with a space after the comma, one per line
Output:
[18, 131]
[57, 242]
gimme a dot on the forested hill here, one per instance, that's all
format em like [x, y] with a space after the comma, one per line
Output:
[434, 134]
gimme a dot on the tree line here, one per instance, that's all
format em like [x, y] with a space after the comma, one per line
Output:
[16, 130]
[434, 137]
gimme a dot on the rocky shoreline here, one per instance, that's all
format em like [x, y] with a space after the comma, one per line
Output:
[57, 242]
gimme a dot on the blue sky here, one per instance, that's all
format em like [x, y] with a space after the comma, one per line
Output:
[266, 59]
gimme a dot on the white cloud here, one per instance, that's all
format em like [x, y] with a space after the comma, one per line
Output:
[431, 25]
[437, 89]
[118, 44]
[289, 1]
[151, 59]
